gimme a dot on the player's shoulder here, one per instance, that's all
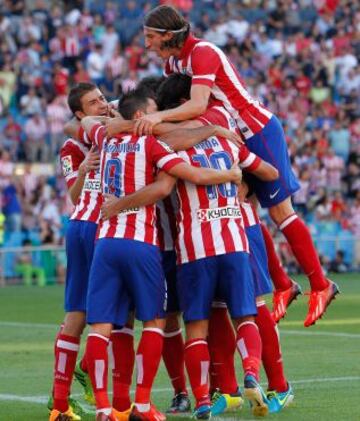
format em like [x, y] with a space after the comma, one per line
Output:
[73, 147]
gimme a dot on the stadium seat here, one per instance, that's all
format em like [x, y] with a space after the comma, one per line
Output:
[346, 243]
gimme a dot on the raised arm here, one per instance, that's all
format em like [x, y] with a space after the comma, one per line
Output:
[148, 195]
[195, 106]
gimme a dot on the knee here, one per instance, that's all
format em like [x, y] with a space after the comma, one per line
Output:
[281, 211]
[172, 322]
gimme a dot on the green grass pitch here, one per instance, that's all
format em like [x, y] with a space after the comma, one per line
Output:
[322, 362]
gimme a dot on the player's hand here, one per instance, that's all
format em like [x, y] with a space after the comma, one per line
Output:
[229, 135]
[236, 172]
[91, 161]
[112, 109]
[145, 124]
[110, 206]
[113, 127]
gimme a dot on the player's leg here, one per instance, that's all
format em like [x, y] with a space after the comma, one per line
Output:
[145, 282]
[196, 287]
[286, 290]
[271, 351]
[225, 393]
[173, 350]
[68, 338]
[237, 287]
[323, 291]
[105, 297]
[122, 348]
[270, 145]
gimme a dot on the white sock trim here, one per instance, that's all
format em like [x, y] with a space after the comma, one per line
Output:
[288, 221]
[124, 330]
[199, 342]
[260, 303]
[247, 323]
[153, 329]
[172, 334]
[97, 335]
[70, 346]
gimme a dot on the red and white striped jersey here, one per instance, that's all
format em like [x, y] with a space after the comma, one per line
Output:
[217, 115]
[166, 211]
[127, 164]
[208, 65]
[209, 217]
[89, 203]
[249, 214]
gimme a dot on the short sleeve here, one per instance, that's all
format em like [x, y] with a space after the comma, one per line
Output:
[205, 63]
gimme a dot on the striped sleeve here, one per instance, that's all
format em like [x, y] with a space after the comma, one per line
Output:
[205, 63]
[70, 158]
[97, 135]
[83, 137]
[163, 156]
[248, 160]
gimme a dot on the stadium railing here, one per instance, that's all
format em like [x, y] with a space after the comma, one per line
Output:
[46, 265]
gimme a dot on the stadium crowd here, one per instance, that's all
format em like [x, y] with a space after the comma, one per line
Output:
[301, 58]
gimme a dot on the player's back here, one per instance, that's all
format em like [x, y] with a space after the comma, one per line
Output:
[209, 217]
[128, 163]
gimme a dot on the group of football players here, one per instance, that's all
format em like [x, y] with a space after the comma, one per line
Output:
[165, 189]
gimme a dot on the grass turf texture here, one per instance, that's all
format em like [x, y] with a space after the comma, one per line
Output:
[322, 362]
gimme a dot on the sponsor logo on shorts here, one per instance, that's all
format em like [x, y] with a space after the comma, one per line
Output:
[208, 215]
[272, 195]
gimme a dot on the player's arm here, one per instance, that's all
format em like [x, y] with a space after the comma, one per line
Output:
[179, 138]
[195, 106]
[266, 171]
[91, 162]
[147, 195]
[185, 138]
[253, 164]
[206, 176]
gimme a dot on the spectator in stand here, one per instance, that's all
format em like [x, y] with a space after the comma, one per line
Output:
[323, 209]
[11, 137]
[110, 41]
[338, 207]
[11, 207]
[57, 115]
[338, 265]
[96, 64]
[36, 147]
[81, 74]
[30, 103]
[334, 166]
[7, 84]
[339, 137]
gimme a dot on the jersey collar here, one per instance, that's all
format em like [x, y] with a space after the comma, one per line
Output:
[188, 46]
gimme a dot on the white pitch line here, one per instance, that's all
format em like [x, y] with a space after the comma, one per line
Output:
[321, 333]
[44, 398]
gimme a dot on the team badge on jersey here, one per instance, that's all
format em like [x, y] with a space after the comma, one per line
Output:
[67, 165]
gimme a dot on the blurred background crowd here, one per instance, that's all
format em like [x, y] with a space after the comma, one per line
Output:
[299, 57]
